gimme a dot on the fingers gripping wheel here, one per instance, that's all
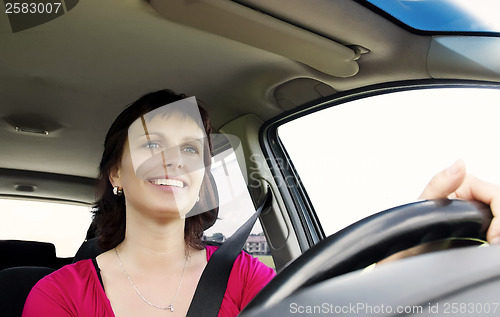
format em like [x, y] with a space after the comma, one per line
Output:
[375, 238]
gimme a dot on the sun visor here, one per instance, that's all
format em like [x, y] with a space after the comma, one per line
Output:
[234, 21]
[170, 150]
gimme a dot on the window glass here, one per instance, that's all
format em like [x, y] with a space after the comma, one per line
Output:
[444, 15]
[235, 203]
[63, 225]
[236, 207]
[368, 155]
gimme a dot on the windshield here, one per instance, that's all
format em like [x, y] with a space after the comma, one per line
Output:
[444, 15]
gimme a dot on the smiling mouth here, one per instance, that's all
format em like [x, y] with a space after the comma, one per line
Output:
[167, 182]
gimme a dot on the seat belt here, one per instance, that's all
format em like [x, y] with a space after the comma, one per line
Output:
[213, 282]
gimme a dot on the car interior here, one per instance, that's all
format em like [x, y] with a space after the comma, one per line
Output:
[256, 65]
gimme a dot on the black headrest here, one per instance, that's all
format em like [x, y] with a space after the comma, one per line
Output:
[26, 253]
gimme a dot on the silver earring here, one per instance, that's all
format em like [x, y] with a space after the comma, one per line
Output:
[198, 198]
[118, 191]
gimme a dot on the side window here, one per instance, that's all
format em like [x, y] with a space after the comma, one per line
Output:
[235, 207]
[63, 225]
[367, 155]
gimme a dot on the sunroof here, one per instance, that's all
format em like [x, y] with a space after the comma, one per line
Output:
[444, 15]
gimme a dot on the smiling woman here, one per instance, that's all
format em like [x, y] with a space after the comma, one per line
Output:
[168, 137]
[150, 223]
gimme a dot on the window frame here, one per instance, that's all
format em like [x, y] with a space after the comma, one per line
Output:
[304, 219]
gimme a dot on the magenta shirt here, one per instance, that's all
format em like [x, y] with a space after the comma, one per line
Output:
[75, 289]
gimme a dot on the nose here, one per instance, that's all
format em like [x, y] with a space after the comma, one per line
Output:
[172, 157]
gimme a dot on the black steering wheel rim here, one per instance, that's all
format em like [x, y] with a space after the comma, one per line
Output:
[375, 238]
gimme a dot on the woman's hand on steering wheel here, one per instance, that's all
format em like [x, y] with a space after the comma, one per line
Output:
[454, 182]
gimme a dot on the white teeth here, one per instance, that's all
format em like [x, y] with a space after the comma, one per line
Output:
[168, 182]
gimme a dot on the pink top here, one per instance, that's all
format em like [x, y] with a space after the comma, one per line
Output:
[75, 289]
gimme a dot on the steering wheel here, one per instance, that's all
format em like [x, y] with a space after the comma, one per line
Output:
[375, 238]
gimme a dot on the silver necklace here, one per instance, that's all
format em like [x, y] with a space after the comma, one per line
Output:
[169, 307]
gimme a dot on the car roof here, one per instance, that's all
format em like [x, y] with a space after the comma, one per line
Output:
[64, 81]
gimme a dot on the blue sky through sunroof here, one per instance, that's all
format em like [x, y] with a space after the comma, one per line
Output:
[445, 15]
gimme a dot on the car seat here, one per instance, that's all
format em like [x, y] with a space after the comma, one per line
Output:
[88, 250]
[27, 253]
[15, 285]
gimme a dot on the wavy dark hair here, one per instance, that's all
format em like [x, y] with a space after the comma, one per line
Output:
[109, 210]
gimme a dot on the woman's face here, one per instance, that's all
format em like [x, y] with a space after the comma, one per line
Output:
[162, 165]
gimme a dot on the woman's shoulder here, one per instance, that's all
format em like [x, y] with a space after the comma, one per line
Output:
[78, 270]
[62, 291]
[67, 278]
[248, 276]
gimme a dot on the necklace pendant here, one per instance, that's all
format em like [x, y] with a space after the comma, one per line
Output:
[171, 307]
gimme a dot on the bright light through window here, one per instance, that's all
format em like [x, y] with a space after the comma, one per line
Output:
[371, 154]
[63, 225]
[444, 15]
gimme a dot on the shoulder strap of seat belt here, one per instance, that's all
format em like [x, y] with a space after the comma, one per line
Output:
[213, 282]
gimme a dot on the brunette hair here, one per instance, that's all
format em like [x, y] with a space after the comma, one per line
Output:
[109, 210]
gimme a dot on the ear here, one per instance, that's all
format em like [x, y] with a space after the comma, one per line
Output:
[114, 176]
